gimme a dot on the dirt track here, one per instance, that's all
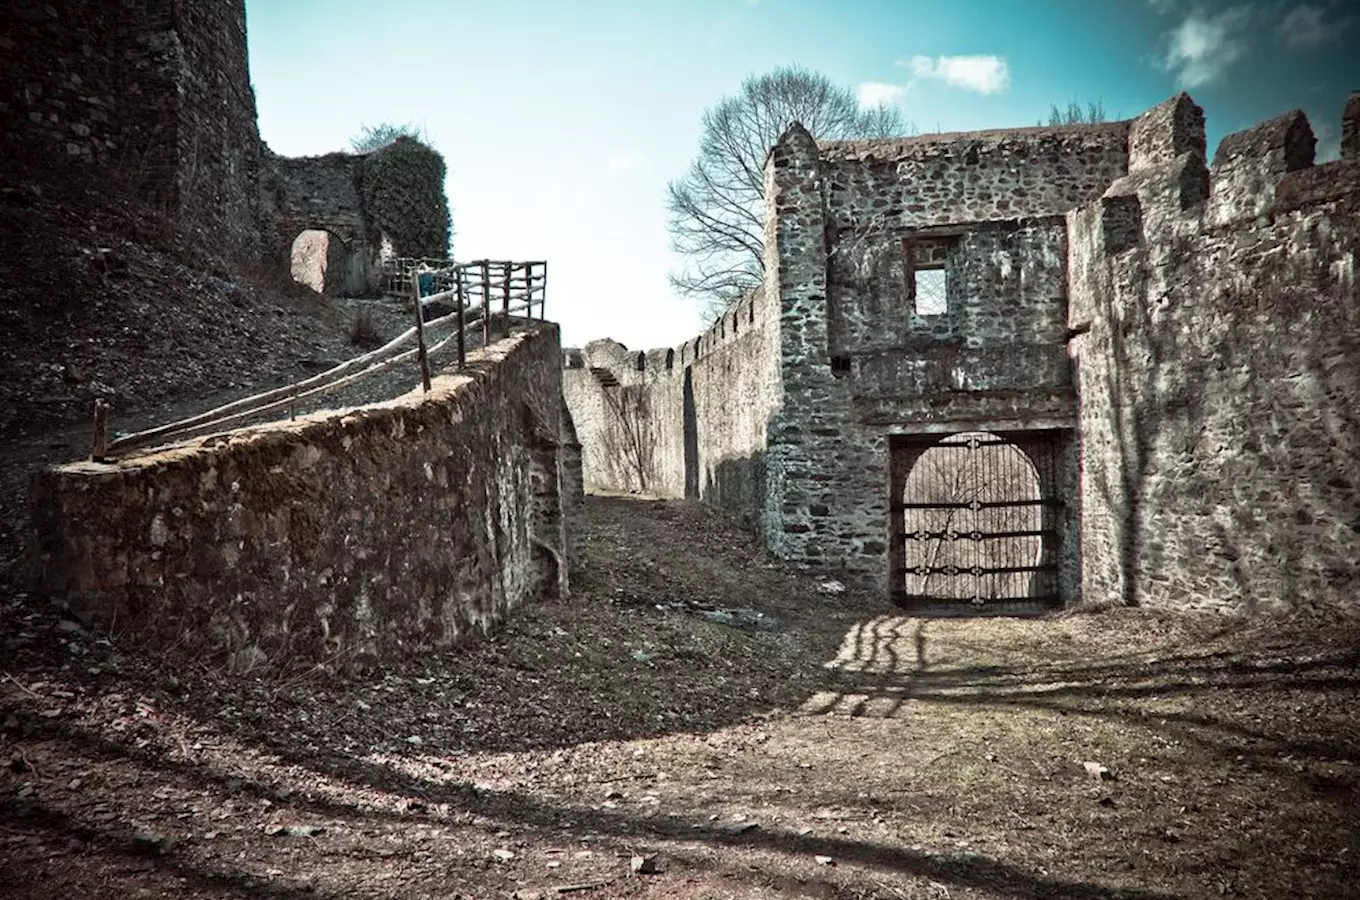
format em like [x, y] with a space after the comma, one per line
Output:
[760, 737]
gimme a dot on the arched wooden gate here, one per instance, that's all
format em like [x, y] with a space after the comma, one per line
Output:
[976, 522]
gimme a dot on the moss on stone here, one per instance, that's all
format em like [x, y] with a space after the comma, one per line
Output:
[403, 192]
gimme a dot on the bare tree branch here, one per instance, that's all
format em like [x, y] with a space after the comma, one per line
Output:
[717, 208]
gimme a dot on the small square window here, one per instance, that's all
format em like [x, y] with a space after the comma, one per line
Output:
[931, 292]
[840, 366]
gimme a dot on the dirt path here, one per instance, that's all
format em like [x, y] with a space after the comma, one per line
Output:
[728, 722]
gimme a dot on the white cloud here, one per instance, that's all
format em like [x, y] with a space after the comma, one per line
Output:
[1204, 45]
[620, 162]
[877, 93]
[984, 74]
[1306, 26]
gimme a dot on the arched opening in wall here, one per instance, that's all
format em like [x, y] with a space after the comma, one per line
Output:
[975, 532]
[321, 261]
[670, 360]
[642, 361]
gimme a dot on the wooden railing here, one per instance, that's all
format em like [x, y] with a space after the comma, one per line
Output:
[480, 293]
[395, 280]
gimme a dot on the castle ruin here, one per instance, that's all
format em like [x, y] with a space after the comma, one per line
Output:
[153, 97]
[1004, 371]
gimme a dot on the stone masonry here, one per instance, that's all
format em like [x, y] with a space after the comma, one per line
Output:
[1219, 369]
[340, 538]
[154, 97]
[1073, 321]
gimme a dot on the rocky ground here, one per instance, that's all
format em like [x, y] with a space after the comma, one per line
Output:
[697, 723]
[102, 298]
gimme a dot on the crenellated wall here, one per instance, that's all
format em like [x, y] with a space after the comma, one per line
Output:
[1219, 370]
[687, 421]
[1179, 346]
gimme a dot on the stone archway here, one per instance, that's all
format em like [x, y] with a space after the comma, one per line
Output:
[313, 256]
[324, 261]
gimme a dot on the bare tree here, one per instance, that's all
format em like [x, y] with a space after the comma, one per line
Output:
[717, 210]
[1076, 114]
[375, 137]
[632, 412]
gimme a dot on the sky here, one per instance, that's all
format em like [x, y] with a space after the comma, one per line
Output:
[561, 122]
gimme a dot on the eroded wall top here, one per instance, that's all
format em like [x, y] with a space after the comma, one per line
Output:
[944, 179]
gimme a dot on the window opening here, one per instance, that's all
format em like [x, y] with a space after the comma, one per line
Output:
[932, 292]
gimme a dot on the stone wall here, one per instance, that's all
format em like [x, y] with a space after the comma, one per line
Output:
[154, 97]
[687, 421]
[321, 193]
[1220, 373]
[218, 142]
[849, 226]
[346, 537]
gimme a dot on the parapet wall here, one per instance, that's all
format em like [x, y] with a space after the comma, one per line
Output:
[1220, 376]
[344, 538]
[687, 421]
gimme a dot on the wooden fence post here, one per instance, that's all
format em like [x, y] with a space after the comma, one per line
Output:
[101, 431]
[420, 333]
[462, 320]
[486, 303]
[505, 296]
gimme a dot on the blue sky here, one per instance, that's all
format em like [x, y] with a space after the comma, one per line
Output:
[562, 122]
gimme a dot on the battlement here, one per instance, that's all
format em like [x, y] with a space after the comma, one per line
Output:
[740, 318]
[1166, 132]
[1257, 172]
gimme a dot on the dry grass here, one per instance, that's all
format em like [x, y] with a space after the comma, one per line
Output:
[364, 333]
[917, 758]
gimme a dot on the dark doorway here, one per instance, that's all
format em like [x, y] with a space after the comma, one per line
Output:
[321, 261]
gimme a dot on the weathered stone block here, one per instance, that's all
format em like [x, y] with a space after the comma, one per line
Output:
[342, 538]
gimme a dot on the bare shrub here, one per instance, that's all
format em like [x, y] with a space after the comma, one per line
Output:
[363, 333]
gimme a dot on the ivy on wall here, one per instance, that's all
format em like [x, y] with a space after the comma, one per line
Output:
[402, 185]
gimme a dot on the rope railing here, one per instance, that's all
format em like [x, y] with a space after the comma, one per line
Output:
[479, 291]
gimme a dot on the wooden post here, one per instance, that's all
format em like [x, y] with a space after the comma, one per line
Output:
[505, 296]
[101, 431]
[543, 299]
[462, 321]
[420, 333]
[486, 303]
